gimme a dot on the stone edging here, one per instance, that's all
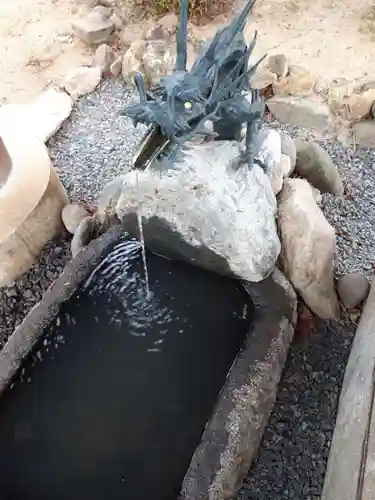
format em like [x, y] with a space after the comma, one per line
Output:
[349, 468]
[233, 435]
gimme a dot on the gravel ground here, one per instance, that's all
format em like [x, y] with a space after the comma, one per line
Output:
[292, 458]
[95, 146]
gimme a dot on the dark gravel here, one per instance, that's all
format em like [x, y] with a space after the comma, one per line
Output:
[95, 146]
[17, 300]
[292, 458]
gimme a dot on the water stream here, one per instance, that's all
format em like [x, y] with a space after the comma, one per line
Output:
[141, 238]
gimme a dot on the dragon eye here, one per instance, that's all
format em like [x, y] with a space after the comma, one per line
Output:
[188, 105]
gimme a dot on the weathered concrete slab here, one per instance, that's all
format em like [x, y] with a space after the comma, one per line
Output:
[350, 472]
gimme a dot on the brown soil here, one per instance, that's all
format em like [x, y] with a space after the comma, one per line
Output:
[335, 39]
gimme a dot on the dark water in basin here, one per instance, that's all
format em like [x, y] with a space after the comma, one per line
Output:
[114, 399]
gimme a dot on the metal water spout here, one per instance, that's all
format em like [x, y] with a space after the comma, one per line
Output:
[216, 88]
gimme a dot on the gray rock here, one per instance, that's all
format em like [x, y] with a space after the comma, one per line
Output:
[263, 78]
[206, 209]
[364, 133]
[269, 152]
[102, 11]
[72, 216]
[286, 166]
[299, 82]
[315, 164]
[82, 81]
[94, 29]
[83, 235]
[116, 66]
[352, 289]
[301, 112]
[308, 248]
[104, 57]
[109, 198]
[132, 61]
[278, 64]
[268, 146]
[288, 148]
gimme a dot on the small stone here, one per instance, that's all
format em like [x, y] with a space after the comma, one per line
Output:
[82, 81]
[288, 148]
[116, 67]
[352, 289]
[83, 235]
[268, 145]
[356, 106]
[308, 248]
[321, 85]
[301, 112]
[158, 59]
[286, 166]
[299, 82]
[72, 216]
[157, 32]
[103, 57]
[102, 11]
[269, 153]
[278, 64]
[132, 62]
[94, 28]
[117, 21]
[169, 21]
[364, 133]
[276, 178]
[130, 34]
[315, 164]
[262, 79]
[28, 294]
[109, 198]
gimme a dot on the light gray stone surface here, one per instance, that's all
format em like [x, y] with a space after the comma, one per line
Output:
[301, 112]
[309, 248]
[206, 209]
[315, 164]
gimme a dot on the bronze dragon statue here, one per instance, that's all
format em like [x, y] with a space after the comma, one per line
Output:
[216, 88]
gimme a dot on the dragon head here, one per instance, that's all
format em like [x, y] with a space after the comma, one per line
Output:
[180, 105]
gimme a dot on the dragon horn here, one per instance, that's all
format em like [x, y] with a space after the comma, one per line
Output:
[141, 87]
[181, 37]
[238, 24]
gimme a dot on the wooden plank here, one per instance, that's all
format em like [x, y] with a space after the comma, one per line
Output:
[346, 464]
[368, 490]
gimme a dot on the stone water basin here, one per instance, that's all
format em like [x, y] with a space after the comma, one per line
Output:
[107, 394]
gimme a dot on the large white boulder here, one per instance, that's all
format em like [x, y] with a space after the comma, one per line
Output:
[207, 209]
